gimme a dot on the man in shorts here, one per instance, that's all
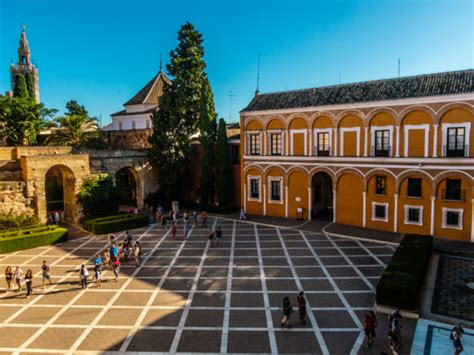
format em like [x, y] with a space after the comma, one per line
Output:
[46, 275]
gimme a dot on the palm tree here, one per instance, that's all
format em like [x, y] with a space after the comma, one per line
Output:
[74, 130]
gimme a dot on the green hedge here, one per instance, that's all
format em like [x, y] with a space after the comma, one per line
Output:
[33, 237]
[401, 282]
[115, 223]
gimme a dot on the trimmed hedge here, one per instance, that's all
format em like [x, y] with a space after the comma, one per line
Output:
[401, 282]
[26, 238]
[115, 223]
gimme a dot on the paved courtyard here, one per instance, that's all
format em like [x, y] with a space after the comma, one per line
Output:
[189, 297]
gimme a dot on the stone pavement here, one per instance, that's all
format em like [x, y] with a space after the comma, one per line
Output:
[189, 297]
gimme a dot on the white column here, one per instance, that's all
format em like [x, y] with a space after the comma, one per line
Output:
[245, 197]
[395, 214]
[335, 142]
[364, 212]
[472, 221]
[432, 228]
[397, 142]
[264, 199]
[287, 134]
[435, 139]
[334, 199]
[309, 203]
[366, 140]
[310, 142]
[286, 201]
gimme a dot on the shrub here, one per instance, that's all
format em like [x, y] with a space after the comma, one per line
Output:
[401, 282]
[115, 223]
[32, 237]
[98, 195]
[18, 221]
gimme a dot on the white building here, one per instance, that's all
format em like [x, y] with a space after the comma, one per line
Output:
[138, 110]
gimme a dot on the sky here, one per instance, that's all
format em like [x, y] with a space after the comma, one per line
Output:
[101, 52]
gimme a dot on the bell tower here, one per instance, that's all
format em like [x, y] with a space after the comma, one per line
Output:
[25, 67]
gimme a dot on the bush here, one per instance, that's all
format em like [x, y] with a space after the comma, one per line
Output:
[98, 195]
[18, 221]
[115, 223]
[401, 282]
[32, 237]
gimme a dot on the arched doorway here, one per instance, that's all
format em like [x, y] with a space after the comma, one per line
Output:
[322, 196]
[126, 182]
[60, 185]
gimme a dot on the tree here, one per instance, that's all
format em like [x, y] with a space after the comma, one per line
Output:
[208, 142]
[20, 88]
[74, 130]
[29, 85]
[21, 119]
[73, 108]
[224, 166]
[98, 196]
[178, 117]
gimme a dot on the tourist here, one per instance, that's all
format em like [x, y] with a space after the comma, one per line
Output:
[83, 275]
[186, 230]
[301, 300]
[394, 324]
[56, 217]
[116, 269]
[160, 210]
[111, 238]
[393, 341]
[98, 271]
[195, 218]
[18, 277]
[218, 235]
[107, 258]
[287, 310]
[211, 237]
[9, 278]
[137, 251]
[114, 252]
[163, 221]
[128, 238]
[50, 219]
[185, 217]
[204, 219]
[370, 323]
[29, 283]
[455, 336]
[45, 271]
[242, 214]
[173, 230]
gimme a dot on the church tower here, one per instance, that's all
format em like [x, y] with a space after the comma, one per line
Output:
[25, 67]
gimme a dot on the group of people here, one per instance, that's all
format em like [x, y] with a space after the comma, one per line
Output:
[18, 277]
[215, 236]
[53, 218]
[288, 310]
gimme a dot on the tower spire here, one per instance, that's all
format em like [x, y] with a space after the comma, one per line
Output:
[161, 63]
[23, 48]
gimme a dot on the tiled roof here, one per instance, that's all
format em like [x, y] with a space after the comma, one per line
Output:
[124, 112]
[448, 83]
[151, 92]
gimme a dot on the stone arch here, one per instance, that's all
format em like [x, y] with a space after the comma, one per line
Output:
[298, 116]
[448, 174]
[340, 116]
[401, 177]
[327, 170]
[354, 171]
[413, 108]
[252, 120]
[65, 201]
[253, 166]
[454, 105]
[272, 168]
[295, 169]
[371, 115]
[378, 171]
[129, 180]
[272, 118]
[319, 114]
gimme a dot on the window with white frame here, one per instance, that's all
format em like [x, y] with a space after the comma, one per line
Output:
[253, 188]
[456, 137]
[379, 211]
[254, 143]
[452, 218]
[413, 215]
[275, 185]
[276, 145]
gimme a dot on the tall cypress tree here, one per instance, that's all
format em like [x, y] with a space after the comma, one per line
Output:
[224, 166]
[29, 85]
[19, 87]
[208, 141]
[178, 117]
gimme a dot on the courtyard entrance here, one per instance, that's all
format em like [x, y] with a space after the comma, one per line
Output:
[126, 182]
[322, 196]
[60, 191]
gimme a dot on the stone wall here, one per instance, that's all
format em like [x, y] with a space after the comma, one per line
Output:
[13, 200]
[130, 139]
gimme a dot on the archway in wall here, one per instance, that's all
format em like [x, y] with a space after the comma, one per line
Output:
[322, 196]
[60, 193]
[126, 182]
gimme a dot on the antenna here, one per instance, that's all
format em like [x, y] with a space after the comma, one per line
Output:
[231, 95]
[161, 62]
[258, 75]
[399, 67]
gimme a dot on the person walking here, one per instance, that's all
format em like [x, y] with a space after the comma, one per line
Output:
[113, 252]
[173, 230]
[301, 300]
[45, 273]
[107, 258]
[287, 310]
[210, 237]
[116, 269]
[29, 282]
[128, 238]
[195, 218]
[186, 230]
[83, 275]
[137, 251]
[9, 278]
[370, 323]
[242, 215]
[204, 219]
[18, 274]
[98, 271]
[456, 335]
[218, 235]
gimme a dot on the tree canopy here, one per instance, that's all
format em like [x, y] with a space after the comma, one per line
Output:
[20, 88]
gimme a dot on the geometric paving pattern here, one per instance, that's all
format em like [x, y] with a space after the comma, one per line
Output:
[189, 297]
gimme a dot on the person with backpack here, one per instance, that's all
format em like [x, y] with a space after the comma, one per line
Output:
[455, 336]
[301, 300]
[83, 275]
[370, 323]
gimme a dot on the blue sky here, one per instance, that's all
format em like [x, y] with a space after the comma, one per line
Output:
[101, 52]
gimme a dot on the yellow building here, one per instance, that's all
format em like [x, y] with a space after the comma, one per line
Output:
[395, 155]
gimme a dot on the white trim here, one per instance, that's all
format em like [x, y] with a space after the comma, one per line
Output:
[445, 210]
[275, 178]
[472, 221]
[286, 201]
[413, 207]
[432, 216]
[264, 200]
[373, 129]
[298, 131]
[269, 146]
[374, 204]
[395, 213]
[245, 197]
[397, 147]
[435, 140]
[335, 142]
[349, 129]
[364, 208]
[444, 135]
[249, 186]
[310, 202]
[249, 133]
[406, 136]
[382, 103]
[366, 140]
[334, 211]
[314, 147]
[310, 142]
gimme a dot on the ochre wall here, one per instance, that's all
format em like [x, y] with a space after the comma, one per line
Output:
[297, 188]
[274, 208]
[416, 138]
[349, 199]
[387, 198]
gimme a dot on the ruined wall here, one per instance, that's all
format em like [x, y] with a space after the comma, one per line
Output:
[13, 200]
[130, 139]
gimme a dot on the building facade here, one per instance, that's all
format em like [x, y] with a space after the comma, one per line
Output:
[394, 155]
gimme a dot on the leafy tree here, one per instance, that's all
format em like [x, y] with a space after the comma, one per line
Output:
[208, 142]
[178, 117]
[29, 85]
[99, 196]
[21, 119]
[73, 108]
[20, 88]
[73, 130]
[224, 166]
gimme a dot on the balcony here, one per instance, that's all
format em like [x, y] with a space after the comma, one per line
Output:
[456, 153]
[456, 195]
[381, 152]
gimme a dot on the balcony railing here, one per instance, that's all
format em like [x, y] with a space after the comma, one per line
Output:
[456, 153]
[459, 195]
[381, 152]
